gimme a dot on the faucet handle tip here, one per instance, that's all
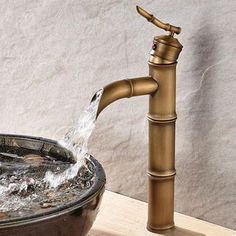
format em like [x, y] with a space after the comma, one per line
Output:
[151, 18]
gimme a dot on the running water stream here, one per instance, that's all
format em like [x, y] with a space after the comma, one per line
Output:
[76, 140]
[34, 183]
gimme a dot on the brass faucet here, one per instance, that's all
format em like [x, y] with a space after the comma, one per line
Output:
[161, 86]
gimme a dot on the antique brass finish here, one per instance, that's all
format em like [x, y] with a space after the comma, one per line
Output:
[125, 89]
[161, 167]
[165, 50]
[151, 18]
[161, 86]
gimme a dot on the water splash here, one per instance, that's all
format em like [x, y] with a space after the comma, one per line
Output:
[76, 140]
[23, 191]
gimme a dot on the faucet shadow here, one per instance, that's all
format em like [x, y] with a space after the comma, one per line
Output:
[178, 231]
[206, 51]
[201, 117]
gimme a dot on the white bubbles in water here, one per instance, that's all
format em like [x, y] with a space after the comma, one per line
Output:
[55, 180]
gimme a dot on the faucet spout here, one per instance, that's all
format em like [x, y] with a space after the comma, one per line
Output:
[125, 89]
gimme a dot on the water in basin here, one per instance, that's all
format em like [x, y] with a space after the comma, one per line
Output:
[24, 191]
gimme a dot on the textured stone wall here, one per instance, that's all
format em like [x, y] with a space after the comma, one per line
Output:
[55, 54]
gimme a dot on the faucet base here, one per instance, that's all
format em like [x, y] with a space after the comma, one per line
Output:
[159, 230]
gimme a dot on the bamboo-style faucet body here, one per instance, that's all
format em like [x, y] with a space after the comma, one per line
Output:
[161, 86]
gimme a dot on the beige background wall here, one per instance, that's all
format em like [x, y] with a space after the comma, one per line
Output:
[55, 54]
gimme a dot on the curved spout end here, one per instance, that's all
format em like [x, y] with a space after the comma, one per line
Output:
[96, 102]
[97, 96]
[125, 89]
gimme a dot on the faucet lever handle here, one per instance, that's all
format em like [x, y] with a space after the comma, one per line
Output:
[151, 18]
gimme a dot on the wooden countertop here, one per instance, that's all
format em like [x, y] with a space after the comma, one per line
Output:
[124, 216]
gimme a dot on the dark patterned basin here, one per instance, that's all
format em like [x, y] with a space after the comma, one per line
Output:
[72, 219]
